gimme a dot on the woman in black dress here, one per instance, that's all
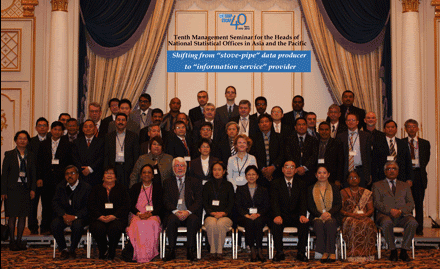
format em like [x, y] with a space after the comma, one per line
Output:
[18, 187]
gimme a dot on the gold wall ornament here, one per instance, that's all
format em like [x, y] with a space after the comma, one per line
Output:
[29, 7]
[59, 5]
[410, 6]
[4, 124]
[436, 4]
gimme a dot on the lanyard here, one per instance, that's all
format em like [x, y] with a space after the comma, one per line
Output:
[354, 142]
[238, 166]
[181, 187]
[148, 198]
[247, 124]
[323, 198]
[412, 146]
[119, 142]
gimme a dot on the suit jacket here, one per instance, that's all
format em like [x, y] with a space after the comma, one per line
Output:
[375, 135]
[193, 195]
[143, 136]
[424, 156]
[253, 125]
[309, 158]
[219, 131]
[365, 146]
[221, 113]
[340, 129]
[104, 125]
[164, 162]
[276, 151]
[131, 126]
[79, 198]
[157, 198]
[196, 170]
[136, 116]
[286, 130]
[261, 201]
[289, 118]
[356, 110]
[195, 114]
[131, 150]
[384, 200]
[35, 142]
[224, 194]
[336, 204]
[176, 148]
[83, 155]
[381, 151]
[223, 150]
[288, 207]
[11, 170]
[334, 160]
[53, 173]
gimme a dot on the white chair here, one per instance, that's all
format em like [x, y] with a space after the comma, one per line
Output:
[242, 229]
[163, 237]
[199, 241]
[88, 241]
[341, 243]
[396, 230]
[287, 230]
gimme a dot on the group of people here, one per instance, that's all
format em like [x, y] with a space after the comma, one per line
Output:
[141, 171]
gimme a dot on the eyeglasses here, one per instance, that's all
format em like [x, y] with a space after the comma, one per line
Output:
[70, 173]
[206, 129]
[353, 177]
[179, 165]
[351, 120]
[144, 101]
[41, 125]
[289, 167]
[109, 173]
[391, 169]
[180, 127]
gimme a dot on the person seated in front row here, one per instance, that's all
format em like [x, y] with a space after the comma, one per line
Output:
[289, 209]
[200, 167]
[183, 207]
[394, 203]
[218, 201]
[324, 204]
[109, 204]
[70, 209]
[252, 206]
[146, 210]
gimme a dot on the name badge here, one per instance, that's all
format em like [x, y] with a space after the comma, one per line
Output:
[187, 158]
[121, 154]
[360, 212]
[70, 202]
[352, 153]
[108, 205]
[155, 172]
[149, 208]
[390, 158]
[253, 210]
[415, 161]
[180, 202]
[321, 161]
[22, 174]
[239, 179]
[215, 202]
[55, 161]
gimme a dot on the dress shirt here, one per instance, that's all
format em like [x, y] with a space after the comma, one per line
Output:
[74, 185]
[98, 124]
[143, 122]
[54, 147]
[289, 181]
[335, 126]
[91, 139]
[42, 138]
[212, 122]
[120, 144]
[416, 149]
[236, 168]
[277, 127]
[394, 142]
[181, 185]
[390, 183]
[244, 127]
[356, 146]
[114, 117]
[230, 107]
[205, 165]
[72, 137]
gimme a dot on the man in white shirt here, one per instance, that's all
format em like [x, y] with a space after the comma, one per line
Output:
[248, 126]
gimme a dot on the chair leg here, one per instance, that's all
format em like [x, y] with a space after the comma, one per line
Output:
[198, 244]
[379, 245]
[308, 245]
[233, 243]
[89, 243]
[54, 247]
[235, 246]
[413, 249]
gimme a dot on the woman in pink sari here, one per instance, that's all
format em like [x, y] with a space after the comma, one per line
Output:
[146, 209]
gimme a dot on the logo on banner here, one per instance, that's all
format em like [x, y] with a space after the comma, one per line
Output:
[237, 21]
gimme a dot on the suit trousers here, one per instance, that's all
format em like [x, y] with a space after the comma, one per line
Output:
[192, 224]
[325, 235]
[58, 226]
[418, 192]
[33, 221]
[277, 231]
[216, 230]
[46, 202]
[101, 230]
[254, 231]
[387, 224]
[122, 176]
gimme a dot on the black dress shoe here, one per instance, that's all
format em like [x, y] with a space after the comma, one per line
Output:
[302, 257]
[64, 255]
[279, 257]
[103, 254]
[191, 254]
[404, 255]
[170, 255]
[72, 255]
[253, 254]
[419, 232]
[22, 245]
[393, 255]
[13, 246]
[260, 255]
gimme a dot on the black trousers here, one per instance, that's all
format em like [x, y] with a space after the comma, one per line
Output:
[277, 231]
[58, 226]
[33, 221]
[47, 195]
[113, 230]
[122, 175]
[418, 192]
[192, 224]
[254, 230]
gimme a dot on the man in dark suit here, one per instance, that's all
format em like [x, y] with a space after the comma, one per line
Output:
[179, 144]
[153, 130]
[72, 129]
[278, 126]
[390, 148]
[121, 150]
[230, 110]
[247, 125]
[331, 154]
[197, 113]
[125, 108]
[53, 156]
[394, 204]
[88, 155]
[420, 151]
[297, 105]
[182, 198]
[268, 149]
[142, 115]
[218, 128]
[333, 117]
[42, 127]
[303, 150]
[70, 208]
[113, 104]
[63, 118]
[156, 117]
[204, 133]
[260, 106]
[225, 148]
[370, 122]
[171, 117]
[95, 113]
[348, 107]
[357, 151]
[289, 209]
[311, 125]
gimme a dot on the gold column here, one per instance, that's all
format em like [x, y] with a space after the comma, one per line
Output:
[59, 5]
[410, 6]
[29, 7]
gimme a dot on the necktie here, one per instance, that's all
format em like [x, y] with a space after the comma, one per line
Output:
[413, 153]
[297, 115]
[230, 112]
[266, 146]
[333, 131]
[243, 125]
[277, 128]
[392, 148]
[22, 166]
[233, 152]
[186, 146]
[289, 188]
[351, 157]
[301, 147]
[393, 188]
[97, 131]
[321, 150]
[88, 142]
[347, 111]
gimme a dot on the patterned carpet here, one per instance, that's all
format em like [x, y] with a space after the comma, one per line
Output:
[41, 257]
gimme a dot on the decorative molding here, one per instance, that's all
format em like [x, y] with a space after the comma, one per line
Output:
[14, 11]
[29, 7]
[11, 50]
[410, 6]
[59, 5]
[4, 123]
[436, 4]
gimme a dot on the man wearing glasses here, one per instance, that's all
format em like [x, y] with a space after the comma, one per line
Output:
[142, 115]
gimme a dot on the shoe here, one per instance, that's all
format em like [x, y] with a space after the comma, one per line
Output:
[103, 254]
[45, 232]
[111, 254]
[219, 256]
[260, 255]
[72, 255]
[22, 245]
[393, 255]
[64, 255]
[419, 232]
[170, 255]
[404, 255]
[13, 246]
[191, 254]
[212, 257]
[324, 258]
[331, 258]
[301, 256]
[279, 257]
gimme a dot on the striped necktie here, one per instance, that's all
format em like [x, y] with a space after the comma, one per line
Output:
[266, 146]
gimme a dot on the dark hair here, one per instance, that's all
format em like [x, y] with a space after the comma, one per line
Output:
[158, 139]
[125, 101]
[63, 114]
[265, 115]
[282, 111]
[347, 91]
[300, 118]
[142, 168]
[179, 123]
[156, 110]
[289, 160]
[146, 96]
[182, 113]
[235, 90]
[41, 119]
[57, 123]
[113, 100]
[351, 113]
[412, 121]
[109, 167]
[222, 164]
[353, 171]
[203, 140]
[121, 114]
[388, 121]
[298, 96]
[310, 113]
[90, 121]
[245, 102]
[70, 166]
[22, 132]
[73, 119]
[322, 165]
[324, 123]
[252, 167]
[206, 124]
[260, 98]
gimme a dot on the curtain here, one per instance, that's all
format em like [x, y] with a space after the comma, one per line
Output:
[341, 69]
[126, 76]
